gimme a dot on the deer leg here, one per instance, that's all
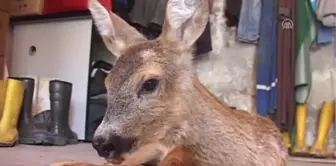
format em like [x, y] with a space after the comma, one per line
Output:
[281, 162]
[145, 154]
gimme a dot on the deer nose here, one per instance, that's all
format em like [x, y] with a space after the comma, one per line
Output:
[112, 147]
[102, 147]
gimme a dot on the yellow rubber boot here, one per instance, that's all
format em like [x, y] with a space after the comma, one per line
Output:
[319, 148]
[286, 139]
[11, 111]
[2, 95]
[300, 146]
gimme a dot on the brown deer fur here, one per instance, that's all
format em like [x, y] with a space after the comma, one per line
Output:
[181, 111]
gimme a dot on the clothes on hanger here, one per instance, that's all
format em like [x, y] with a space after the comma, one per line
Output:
[124, 2]
[98, 72]
[232, 12]
[286, 106]
[326, 12]
[155, 24]
[145, 10]
[267, 59]
[324, 33]
[150, 14]
[334, 40]
[305, 35]
[159, 14]
[249, 21]
[122, 8]
[97, 102]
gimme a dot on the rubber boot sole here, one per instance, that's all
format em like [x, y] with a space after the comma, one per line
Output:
[37, 138]
[59, 141]
[9, 144]
[37, 141]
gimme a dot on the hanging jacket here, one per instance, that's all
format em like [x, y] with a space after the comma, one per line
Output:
[249, 21]
[98, 73]
[266, 63]
[305, 35]
[326, 12]
[285, 112]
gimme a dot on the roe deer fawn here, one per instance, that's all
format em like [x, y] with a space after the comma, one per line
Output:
[156, 103]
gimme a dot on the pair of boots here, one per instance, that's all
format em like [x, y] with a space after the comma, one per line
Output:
[49, 127]
[11, 97]
[319, 148]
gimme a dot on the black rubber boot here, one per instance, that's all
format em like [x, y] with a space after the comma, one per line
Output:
[60, 98]
[39, 133]
[29, 131]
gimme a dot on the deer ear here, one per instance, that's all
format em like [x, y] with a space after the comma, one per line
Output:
[116, 33]
[185, 21]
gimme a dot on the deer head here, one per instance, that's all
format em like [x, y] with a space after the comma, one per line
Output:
[149, 77]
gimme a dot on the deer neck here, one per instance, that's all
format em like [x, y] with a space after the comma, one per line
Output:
[206, 115]
[205, 97]
[200, 104]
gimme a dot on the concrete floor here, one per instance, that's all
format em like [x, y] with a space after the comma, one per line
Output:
[24, 155]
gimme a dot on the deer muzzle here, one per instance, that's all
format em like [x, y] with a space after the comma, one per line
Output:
[113, 146]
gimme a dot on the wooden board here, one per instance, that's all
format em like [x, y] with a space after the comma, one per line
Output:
[313, 160]
[77, 163]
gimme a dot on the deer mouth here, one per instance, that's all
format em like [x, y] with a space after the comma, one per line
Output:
[117, 157]
[115, 160]
[119, 148]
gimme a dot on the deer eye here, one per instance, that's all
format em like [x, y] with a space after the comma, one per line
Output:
[149, 86]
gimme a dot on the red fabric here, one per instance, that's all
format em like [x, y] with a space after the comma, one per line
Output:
[58, 6]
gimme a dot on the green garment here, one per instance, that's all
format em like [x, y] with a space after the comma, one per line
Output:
[292, 136]
[305, 35]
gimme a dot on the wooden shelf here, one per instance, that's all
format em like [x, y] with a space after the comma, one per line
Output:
[46, 17]
[313, 160]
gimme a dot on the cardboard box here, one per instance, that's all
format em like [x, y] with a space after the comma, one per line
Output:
[4, 21]
[26, 7]
[59, 6]
[4, 5]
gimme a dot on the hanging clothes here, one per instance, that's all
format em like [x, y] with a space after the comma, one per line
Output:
[334, 40]
[324, 33]
[143, 11]
[249, 21]
[159, 14]
[267, 61]
[124, 2]
[326, 13]
[232, 12]
[334, 35]
[122, 8]
[285, 112]
[305, 35]
[151, 14]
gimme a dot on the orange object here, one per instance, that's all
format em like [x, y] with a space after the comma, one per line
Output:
[177, 157]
